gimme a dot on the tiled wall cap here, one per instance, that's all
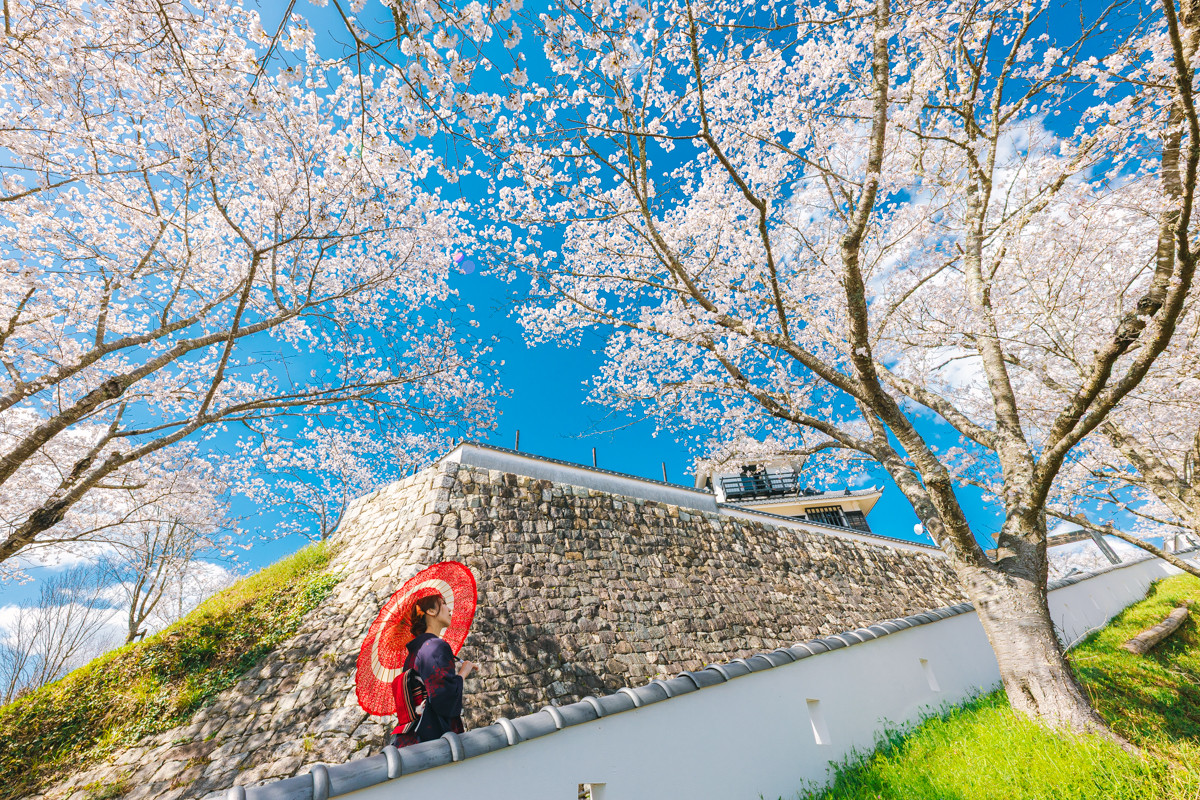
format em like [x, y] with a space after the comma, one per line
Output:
[625, 690]
[483, 740]
[879, 630]
[296, 788]
[594, 702]
[320, 779]
[720, 670]
[456, 748]
[510, 730]
[733, 661]
[693, 677]
[236, 793]
[664, 686]
[394, 768]
[576, 713]
[556, 715]
[865, 634]
[758, 662]
[833, 642]
[358, 774]
[736, 669]
[616, 703]
[531, 726]
[425, 755]
[779, 656]
[653, 692]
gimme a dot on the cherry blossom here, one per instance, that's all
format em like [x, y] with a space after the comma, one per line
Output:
[206, 229]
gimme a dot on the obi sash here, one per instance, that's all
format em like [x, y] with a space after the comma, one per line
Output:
[410, 694]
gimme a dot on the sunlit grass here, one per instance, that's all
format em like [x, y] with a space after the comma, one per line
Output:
[984, 751]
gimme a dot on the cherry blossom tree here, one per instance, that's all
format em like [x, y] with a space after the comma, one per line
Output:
[797, 221]
[160, 484]
[1140, 464]
[204, 228]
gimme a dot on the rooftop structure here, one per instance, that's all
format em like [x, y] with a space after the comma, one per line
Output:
[783, 492]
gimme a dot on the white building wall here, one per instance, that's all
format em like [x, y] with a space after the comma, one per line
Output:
[769, 733]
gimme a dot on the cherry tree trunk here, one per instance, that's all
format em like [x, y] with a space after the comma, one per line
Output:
[1033, 668]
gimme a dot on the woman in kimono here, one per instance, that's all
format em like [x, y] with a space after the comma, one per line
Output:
[429, 690]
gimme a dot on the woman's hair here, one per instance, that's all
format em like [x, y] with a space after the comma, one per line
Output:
[416, 619]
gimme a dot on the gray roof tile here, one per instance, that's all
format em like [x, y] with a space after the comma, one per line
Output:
[681, 684]
[721, 670]
[736, 669]
[357, 774]
[483, 740]
[650, 693]
[534, 725]
[425, 755]
[556, 715]
[320, 778]
[616, 703]
[758, 663]
[779, 656]
[582, 711]
[511, 734]
[297, 788]
[456, 748]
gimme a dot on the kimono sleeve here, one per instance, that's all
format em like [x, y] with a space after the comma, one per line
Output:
[435, 665]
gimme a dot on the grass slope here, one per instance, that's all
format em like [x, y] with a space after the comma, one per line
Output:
[984, 751]
[152, 686]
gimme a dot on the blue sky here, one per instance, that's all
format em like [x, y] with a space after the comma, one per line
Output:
[547, 390]
[547, 385]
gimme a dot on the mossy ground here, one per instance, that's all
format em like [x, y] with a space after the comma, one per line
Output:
[984, 751]
[152, 686]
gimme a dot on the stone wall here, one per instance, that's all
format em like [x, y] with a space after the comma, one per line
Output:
[581, 592]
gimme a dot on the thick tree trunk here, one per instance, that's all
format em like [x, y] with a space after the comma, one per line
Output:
[1009, 596]
[1033, 669]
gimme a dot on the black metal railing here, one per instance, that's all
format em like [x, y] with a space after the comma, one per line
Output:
[759, 485]
[763, 484]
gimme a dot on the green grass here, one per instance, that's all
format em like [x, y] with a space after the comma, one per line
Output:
[152, 686]
[984, 751]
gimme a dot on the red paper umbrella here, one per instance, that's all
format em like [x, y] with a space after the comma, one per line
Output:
[381, 658]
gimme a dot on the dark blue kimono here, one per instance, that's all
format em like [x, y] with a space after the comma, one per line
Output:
[428, 693]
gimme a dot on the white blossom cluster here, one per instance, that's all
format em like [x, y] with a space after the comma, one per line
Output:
[213, 251]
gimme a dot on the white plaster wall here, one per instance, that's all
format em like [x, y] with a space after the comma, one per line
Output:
[754, 736]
